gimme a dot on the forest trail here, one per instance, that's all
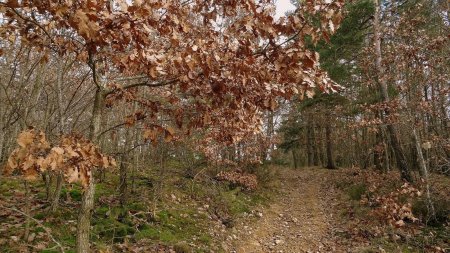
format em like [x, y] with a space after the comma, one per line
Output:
[298, 220]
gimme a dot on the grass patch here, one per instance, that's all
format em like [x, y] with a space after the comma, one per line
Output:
[150, 233]
[441, 208]
[356, 191]
[182, 247]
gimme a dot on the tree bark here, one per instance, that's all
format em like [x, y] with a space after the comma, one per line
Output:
[56, 195]
[124, 166]
[309, 145]
[2, 146]
[135, 160]
[402, 163]
[270, 133]
[59, 92]
[316, 160]
[330, 160]
[386, 161]
[424, 172]
[123, 187]
[295, 158]
[87, 204]
[48, 183]
[376, 153]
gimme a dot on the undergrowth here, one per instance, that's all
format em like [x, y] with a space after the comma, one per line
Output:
[171, 211]
[391, 215]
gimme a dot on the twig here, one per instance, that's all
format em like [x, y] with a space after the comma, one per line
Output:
[31, 21]
[39, 224]
[148, 84]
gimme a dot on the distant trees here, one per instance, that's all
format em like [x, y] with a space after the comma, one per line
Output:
[317, 118]
[395, 108]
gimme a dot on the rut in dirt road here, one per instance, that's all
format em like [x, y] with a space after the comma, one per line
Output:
[296, 222]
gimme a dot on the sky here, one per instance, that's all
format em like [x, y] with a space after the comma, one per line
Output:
[282, 7]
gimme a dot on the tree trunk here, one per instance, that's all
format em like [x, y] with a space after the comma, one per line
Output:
[316, 160]
[84, 218]
[295, 158]
[59, 87]
[386, 162]
[135, 160]
[2, 146]
[270, 133]
[48, 183]
[392, 131]
[87, 204]
[57, 193]
[309, 145]
[330, 160]
[27, 210]
[376, 152]
[123, 186]
[424, 172]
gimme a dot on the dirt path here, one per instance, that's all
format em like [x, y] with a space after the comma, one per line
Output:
[296, 222]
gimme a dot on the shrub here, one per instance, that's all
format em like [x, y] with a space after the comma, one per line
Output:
[182, 247]
[239, 178]
[441, 208]
[355, 192]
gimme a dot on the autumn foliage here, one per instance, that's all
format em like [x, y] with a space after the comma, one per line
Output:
[74, 157]
[239, 178]
[212, 65]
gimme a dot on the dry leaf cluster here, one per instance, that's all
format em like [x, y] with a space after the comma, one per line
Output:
[393, 210]
[246, 180]
[74, 157]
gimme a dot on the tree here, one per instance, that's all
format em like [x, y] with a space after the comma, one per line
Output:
[402, 163]
[337, 56]
[207, 64]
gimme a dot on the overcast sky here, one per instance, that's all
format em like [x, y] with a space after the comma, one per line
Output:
[282, 7]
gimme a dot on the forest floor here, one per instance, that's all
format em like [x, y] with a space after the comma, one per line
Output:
[299, 220]
[292, 211]
[314, 214]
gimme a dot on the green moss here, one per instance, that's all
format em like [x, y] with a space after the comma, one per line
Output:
[39, 216]
[236, 202]
[39, 230]
[101, 211]
[355, 192]
[390, 246]
[67, 237]
[64, 214]
[137, 206]
[441, 207]
[206, 239]
[167, 236]
[41, 195]
[163, 216]
[182, 247]
[150, 233]
[112, 228]
[63, 194]
[102, 189]
[9, 185]
[76, 194]
[258, 199]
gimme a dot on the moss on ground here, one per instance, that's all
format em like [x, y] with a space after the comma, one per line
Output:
[179, 223]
